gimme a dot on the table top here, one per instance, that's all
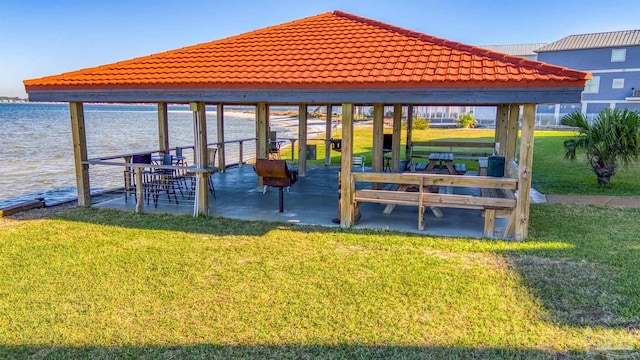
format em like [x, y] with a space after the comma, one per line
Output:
[441, 156]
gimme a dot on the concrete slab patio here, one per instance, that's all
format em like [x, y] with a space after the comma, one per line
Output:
[313, 200]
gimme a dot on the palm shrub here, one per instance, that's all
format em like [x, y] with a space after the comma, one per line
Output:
[614, 136]
[466, 121]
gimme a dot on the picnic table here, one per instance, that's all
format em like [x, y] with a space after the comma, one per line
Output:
[442, 160]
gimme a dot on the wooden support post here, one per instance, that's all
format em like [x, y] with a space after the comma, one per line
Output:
[262, 131]
[200, 150]
[378, 131]
[262, 135]
[163, 128]
[139, 190]
[220, 132]
[512, 133]
[489, 222]
[407, 148]
[80, 153]
[524, 171]
[346, 189]
[395, 144]
[377, 156]
[502, 119]
[302, 140]
[327, 143]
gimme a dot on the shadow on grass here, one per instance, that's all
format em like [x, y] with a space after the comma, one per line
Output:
[210, 225]
[206, 351]
[593, 282]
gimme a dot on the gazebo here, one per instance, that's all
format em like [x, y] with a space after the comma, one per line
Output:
[333, 58]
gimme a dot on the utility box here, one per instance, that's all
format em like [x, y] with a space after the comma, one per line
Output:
[495, 166]
[311, 152]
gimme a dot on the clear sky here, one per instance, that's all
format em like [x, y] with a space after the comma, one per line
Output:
[44, 37]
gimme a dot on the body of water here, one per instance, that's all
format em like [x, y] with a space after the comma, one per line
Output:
[37, 151]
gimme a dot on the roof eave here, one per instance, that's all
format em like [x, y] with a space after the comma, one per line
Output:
[452, 95]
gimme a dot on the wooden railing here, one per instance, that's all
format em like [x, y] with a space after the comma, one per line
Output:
[460, 149]
[224, 160]
[124, 160]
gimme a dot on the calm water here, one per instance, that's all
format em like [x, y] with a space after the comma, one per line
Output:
[37, 152]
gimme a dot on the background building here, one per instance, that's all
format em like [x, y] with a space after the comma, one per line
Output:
[614, 60]
[526, 51]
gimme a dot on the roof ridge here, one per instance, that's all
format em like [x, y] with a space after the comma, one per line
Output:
[555, 69]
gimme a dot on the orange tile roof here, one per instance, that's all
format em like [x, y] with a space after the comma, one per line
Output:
[334, 50]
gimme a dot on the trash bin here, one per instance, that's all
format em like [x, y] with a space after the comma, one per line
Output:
[311, 152]
[495, 166]
[403, 166]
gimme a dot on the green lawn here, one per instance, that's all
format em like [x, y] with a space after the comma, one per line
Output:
[552, 174]
[555, 175]
[103, 284]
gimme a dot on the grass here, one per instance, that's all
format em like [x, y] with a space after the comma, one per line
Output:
[552, 174]
[555, 175]
[102, 283]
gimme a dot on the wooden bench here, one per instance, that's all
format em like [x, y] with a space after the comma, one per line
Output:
[497, 195]
[465, 150]
[275, 173]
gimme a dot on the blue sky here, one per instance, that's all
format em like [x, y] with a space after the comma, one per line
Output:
[43, 37]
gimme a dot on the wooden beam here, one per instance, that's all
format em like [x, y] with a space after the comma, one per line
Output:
[327, 143]
[425, 96]
[502, 119]
[512, 133]
[302, 140]
[220, 132]
[163, 128]
[347, 207]
[485, 182]
[462, 144]
[525, 171]
[407, 149]
[23, 206]
[200, 128]
[395, 144]
[80, 153]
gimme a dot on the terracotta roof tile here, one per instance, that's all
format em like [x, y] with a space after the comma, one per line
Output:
[331, 50]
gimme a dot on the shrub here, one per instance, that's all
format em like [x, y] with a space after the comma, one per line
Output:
[613, 137]
[466, 121]
[420, 123]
